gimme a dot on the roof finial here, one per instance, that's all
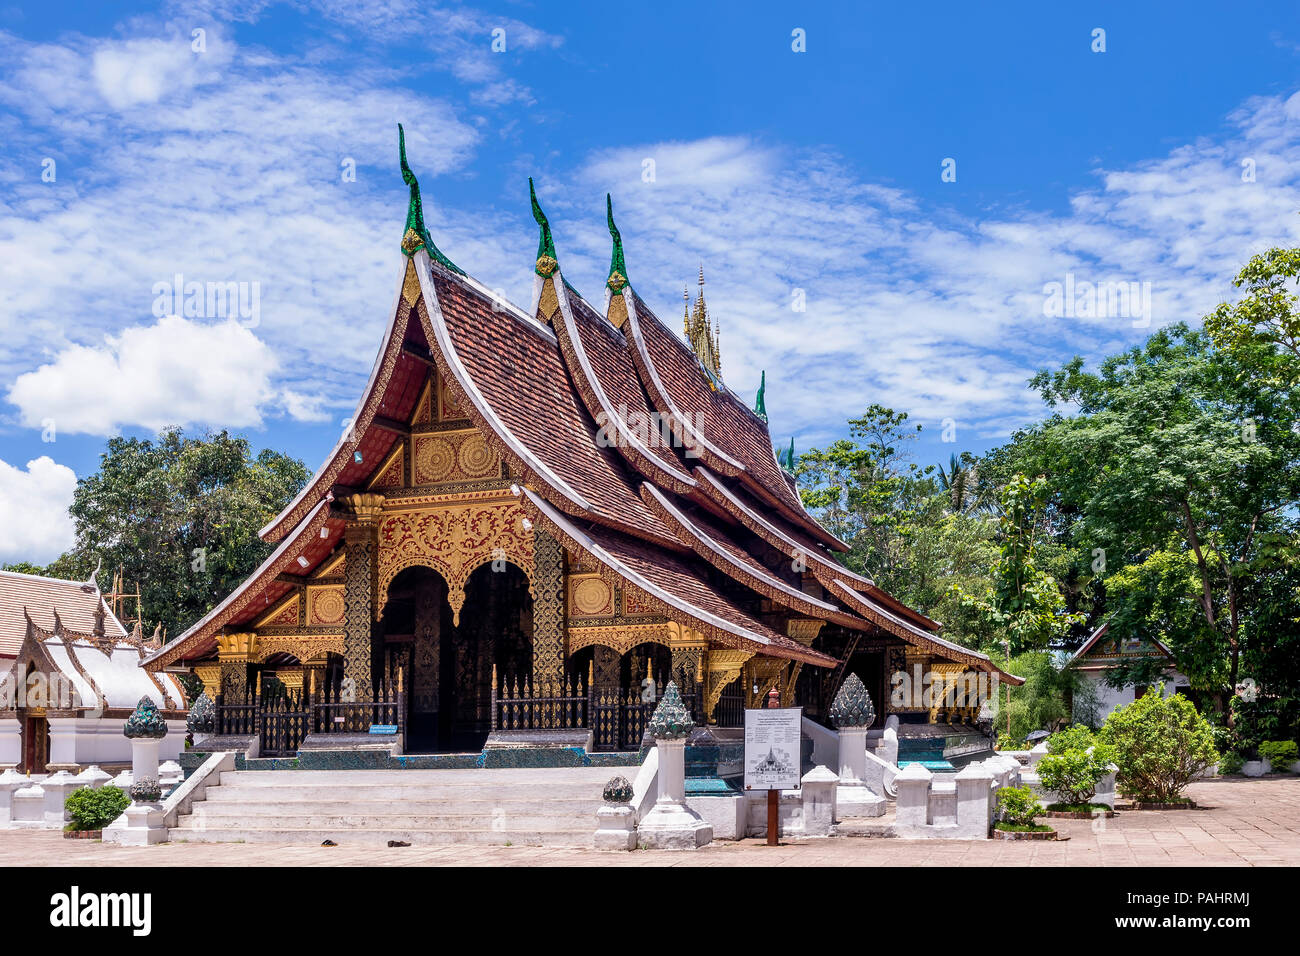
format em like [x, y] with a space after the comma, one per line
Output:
[616, 310]
[760, 404]
[95, 573]
[701, 336]
[416, 236]
[547, 262]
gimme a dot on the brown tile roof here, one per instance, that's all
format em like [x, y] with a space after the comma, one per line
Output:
[516, 367]
[665, 580]
[909, 632]
[672, 377]
[598, 360]
[74, 601]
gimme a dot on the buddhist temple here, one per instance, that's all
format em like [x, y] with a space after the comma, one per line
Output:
[70, 674]
[536, 519]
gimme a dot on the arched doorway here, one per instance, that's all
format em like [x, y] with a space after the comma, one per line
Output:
[447, 667]
[35, 726]
[625, 687]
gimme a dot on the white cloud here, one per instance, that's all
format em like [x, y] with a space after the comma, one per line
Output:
[176, 372]
[34, 511]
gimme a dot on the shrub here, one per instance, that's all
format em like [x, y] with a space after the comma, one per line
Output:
[1160, 743]
[1074, 774]
[95, 809]
[1018, 806]
[1007, 742]
[1231, 762]
[1075, 737]
[1280, 754]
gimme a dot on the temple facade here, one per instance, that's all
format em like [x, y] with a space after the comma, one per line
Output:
[534, 521]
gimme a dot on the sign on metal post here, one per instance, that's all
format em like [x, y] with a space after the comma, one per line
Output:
[772, 748]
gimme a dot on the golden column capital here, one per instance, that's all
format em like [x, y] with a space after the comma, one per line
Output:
[365, 506]
[237, 648]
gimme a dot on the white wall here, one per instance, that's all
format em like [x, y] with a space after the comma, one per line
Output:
[1109, 699]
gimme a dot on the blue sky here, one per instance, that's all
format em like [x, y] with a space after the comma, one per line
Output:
[135, 150]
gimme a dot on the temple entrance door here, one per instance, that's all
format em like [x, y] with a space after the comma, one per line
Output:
[447, 666]
[36, 744]
[495, 629]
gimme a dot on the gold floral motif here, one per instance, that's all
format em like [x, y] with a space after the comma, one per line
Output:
[284, 614]
[453, 541]
[546, 266]
[590, 596]
[366, 506]
[435, 459]
[621, 638]
[302, 649]
[722, 667]
[325, 605]
[237, 647]
[411, 283]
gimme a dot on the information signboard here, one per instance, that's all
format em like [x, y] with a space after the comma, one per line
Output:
[772, 740]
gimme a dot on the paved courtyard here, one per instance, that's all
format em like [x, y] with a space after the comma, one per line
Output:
[1238, 822]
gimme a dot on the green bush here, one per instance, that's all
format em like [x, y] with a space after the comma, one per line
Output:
[95, 809]
[1007, 742]
[1074, 737]
[1074, 774]
[1280, 754]
[1231, 762]
[1159, 743]
[1018, 806]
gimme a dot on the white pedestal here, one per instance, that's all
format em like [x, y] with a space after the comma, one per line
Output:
[10, 781]
[29, 807]
[144, 826]
[93, 777]
[144, 757]
[57, 787]
[853, 798]
[670, 824]
[615, 827]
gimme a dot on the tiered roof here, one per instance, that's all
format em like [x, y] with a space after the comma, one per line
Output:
[66, 628]
[579, 404]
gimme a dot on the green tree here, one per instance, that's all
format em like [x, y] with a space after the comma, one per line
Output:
[1023, 606]
[1265, 315]
[180, 516]
[1181, 466]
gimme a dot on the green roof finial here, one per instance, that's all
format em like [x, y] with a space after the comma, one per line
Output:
[760, 405]
[416, 236]
[547, 262]
[788, 463]
[617, 266]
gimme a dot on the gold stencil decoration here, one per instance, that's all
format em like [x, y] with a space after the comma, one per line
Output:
[592, 597]
[410, 285]
[448, 409]
[284, 615]
[325, 605]
[423, 413]
[622, 638]
[390, 472]
[435, 458]
[453, 541]
[632, 606]
[477, 459]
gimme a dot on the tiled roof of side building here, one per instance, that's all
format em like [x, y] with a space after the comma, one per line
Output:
[727, 424]
[74, 601]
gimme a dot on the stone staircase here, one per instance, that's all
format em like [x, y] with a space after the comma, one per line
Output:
[534, 807]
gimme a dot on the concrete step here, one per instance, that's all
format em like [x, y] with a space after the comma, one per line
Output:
[546, 776]
[349, 818]
[415, 837]
[290, 792]
[412, 806]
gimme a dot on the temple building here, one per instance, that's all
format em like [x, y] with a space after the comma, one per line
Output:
[1104, 652]
[534, 521]
[70, 674]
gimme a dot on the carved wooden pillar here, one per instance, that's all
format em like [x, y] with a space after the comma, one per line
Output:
[235, 652]
[360, 587]
[548, 610]
[688, 648]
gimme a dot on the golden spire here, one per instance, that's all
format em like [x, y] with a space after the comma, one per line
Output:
[701, 335]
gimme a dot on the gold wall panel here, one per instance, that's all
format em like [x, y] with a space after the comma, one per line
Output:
[325, 605]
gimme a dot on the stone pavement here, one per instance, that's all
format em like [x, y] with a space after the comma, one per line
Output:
[1239, 822]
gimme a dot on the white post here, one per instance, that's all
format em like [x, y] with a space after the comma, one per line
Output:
[616, 820]
[913, 783]
[974, 784]
[10, 781]
[57, 787]
[671, 824]
[11, 742]
[143, 823]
